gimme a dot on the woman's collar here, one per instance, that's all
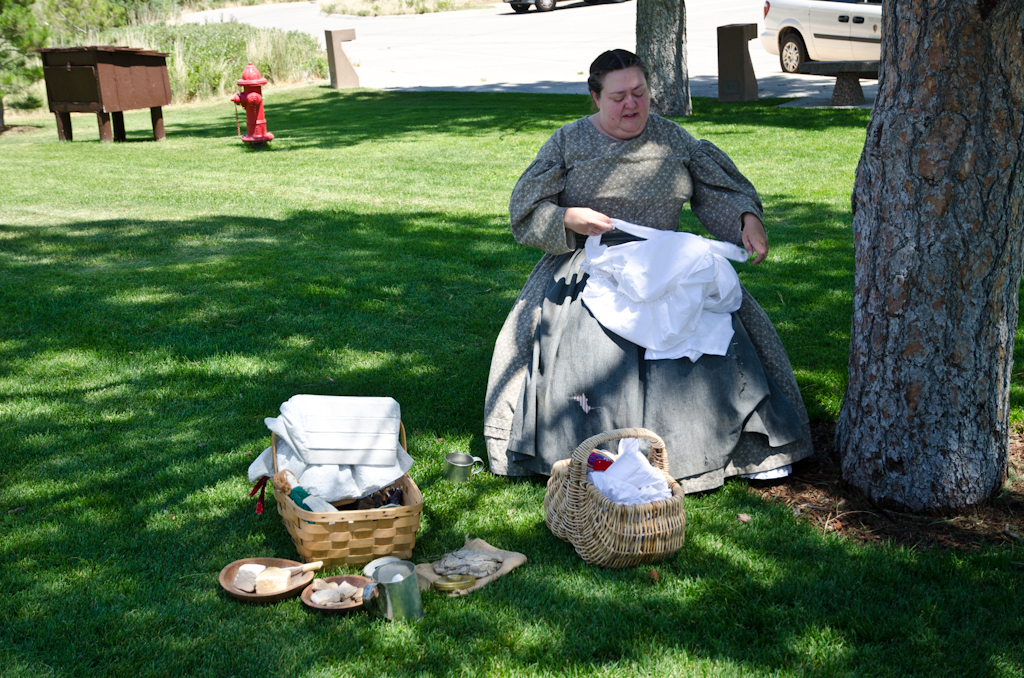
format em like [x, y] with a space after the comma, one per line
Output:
[592, 120]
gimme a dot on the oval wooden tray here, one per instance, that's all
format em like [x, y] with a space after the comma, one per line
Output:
[298, 581]
[353, 579]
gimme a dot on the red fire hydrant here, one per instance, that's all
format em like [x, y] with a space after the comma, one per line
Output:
[251, 99]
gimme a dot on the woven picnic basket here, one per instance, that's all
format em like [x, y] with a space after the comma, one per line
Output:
[604, 533]
[353, 537]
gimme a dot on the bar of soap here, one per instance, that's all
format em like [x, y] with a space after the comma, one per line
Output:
[245, 578]
[325, 596]
[272, 580]
[323, 585]
[346, 590]
[336, 594]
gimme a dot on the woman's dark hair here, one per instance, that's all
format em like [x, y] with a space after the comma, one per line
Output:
[612, 60]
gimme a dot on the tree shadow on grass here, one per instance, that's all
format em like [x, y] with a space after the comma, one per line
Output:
[771, 596]
[325, 117]
[138, 359]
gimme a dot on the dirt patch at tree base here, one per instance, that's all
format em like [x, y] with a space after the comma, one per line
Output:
[16, 129]
[817, 494]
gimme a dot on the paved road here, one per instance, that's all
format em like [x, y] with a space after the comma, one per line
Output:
[495, 49]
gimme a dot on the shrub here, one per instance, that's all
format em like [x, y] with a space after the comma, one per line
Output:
[390, 7]
[205, 60]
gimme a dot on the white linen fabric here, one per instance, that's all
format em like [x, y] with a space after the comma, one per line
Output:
[630, 479]
[332, 482]
[341, 430]
[672, 293]
[286, 459]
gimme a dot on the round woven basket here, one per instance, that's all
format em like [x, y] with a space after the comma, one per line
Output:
[604, 533]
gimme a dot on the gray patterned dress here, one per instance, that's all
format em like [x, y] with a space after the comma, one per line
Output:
[720, 416]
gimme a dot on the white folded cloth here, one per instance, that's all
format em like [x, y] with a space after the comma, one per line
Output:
[286, 459]
[332, 482]
[671, 293]
[341, 430]
[631, 479]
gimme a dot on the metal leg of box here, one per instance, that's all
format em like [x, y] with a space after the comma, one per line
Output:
[106, 133]
[157, 114]
[63, 125]
[118, 119]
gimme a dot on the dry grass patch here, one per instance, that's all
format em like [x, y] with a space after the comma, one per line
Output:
[393, 7]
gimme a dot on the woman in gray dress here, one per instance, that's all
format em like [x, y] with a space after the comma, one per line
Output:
[557, 376]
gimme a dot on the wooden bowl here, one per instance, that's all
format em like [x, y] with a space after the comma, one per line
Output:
[298, 581]
[353, 579]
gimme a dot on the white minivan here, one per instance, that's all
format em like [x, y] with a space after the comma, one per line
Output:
[822, 30]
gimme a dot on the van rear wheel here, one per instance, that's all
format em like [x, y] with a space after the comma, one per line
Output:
[792, 53]
[519, 8]
[545, 5]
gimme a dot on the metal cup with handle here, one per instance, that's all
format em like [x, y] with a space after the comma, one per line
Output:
[459, 467]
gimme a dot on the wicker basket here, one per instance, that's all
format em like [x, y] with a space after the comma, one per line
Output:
[605, 533]
[353, 537]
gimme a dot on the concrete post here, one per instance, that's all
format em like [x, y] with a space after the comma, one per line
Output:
[736, 81]
[343, 75]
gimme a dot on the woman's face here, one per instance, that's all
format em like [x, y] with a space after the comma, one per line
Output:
[623, 104]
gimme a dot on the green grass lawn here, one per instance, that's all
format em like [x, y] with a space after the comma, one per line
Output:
[160, 299]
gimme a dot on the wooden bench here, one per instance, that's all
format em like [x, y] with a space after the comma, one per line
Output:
[847, 91]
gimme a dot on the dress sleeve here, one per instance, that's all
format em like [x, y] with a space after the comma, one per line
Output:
[537, 219]
[721, 194]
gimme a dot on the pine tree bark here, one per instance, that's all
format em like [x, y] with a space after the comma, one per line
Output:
[938, 221]
[661, 43]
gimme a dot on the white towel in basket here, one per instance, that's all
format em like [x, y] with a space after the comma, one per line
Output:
[631, 479]
[339, 447]
[341, 430]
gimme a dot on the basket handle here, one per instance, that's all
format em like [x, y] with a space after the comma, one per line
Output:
[273, 443]
[578, 464]
[273, 450]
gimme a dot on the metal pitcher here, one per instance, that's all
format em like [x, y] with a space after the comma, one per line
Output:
[398, 592]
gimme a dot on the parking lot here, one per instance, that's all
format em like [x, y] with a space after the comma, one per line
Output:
[495, 49]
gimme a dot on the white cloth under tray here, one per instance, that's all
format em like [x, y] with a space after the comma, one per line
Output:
[333, 482]
[672, 293]
[340, 430]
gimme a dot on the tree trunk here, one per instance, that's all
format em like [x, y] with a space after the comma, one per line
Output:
[661, 43]
[2, 126]
[938, 209]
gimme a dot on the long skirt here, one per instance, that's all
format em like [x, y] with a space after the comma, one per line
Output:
[584, 379]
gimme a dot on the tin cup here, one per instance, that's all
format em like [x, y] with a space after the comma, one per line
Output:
[459, 467]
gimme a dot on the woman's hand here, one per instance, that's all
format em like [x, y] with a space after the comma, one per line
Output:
[586, 221]
[755, 240]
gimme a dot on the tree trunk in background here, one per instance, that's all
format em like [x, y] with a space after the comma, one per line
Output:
[661, 43]
[938, 211]
[2, 126]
